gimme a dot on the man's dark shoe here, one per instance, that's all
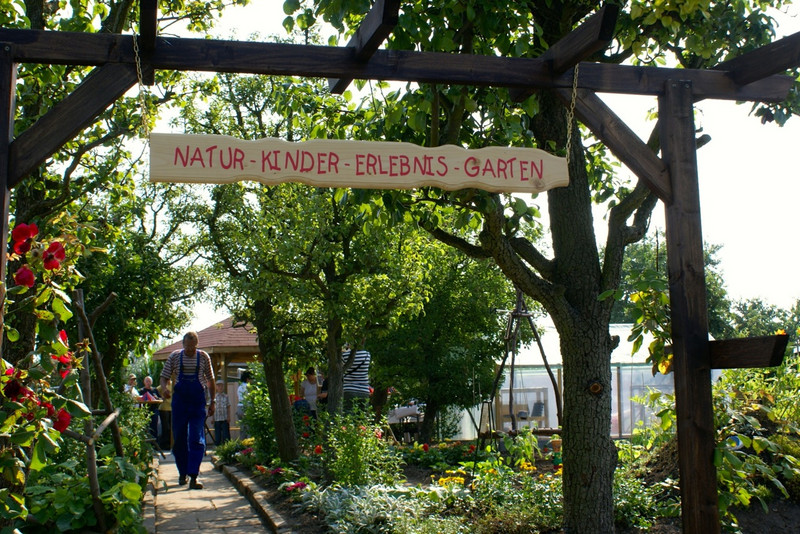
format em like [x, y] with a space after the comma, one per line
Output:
[195, 484]
[182, 480]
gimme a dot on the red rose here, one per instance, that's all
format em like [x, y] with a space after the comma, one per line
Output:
[318, 449]
[54, 255]
[24, 277]
[22, 235]
[305, 434]
[50, 410]
[425, 447]
[65, 359]
[62, 420]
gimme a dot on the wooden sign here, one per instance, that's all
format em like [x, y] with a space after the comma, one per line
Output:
[359, 164]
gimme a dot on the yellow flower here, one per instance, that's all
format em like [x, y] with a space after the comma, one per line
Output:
[527, 466]
[451, 481]
[780, 332]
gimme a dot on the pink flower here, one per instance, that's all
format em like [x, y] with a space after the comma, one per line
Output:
[62, 420]
[22, 235]
[24, 277]
[296, 485]
[54, 255]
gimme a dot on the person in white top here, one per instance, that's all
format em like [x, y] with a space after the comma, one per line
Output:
[310, 389]
[241, 393]
[130, 387]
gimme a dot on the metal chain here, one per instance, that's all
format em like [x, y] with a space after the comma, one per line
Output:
[571, 111]
[142, 99]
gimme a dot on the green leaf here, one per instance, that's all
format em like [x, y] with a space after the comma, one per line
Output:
[760, 444]
[132, 491]
[23, 438]
[12, 334]
[39, 457]
[77, 408]
[290, 6]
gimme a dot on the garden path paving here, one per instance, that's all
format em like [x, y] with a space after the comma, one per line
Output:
[218, 508]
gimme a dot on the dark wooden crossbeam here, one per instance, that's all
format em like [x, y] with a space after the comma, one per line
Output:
[374, 29]
[621, 140]
[593, 35]
[783, 54]
[746, 353]
[35, 46]
[99, 90]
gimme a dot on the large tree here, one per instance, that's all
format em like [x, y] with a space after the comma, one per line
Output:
[301, 263]
[568, 278]
[446, 355]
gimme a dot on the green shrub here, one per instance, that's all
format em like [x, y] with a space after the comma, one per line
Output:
[258, 415]
[354, 452]
[60, 498]
[226, 452]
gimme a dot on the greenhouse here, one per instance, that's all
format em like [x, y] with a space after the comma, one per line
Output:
[534, 398]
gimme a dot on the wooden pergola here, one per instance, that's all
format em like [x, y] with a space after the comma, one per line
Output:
[672, 177]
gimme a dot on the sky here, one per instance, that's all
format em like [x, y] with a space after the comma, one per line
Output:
[749, 177]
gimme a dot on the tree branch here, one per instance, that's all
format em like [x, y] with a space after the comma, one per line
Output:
[533, 257]
[473, 251]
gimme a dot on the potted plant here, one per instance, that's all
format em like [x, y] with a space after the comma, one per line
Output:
[555, 442]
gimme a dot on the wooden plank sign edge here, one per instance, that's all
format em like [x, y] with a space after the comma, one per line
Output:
[358, 164]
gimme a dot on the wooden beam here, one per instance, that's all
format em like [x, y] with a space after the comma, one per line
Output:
[99, 90]
[8, 84]
[148, 26]
[767, 60]
[36, 46]
[691, 357]
[592, 35]
[748, 353]
[374, 29]
[621, 140]
[148, 23]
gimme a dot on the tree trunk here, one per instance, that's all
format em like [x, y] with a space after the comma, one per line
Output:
[568, 290]
[589, 455]
[269, 345]
[335, 367]
[427, 428]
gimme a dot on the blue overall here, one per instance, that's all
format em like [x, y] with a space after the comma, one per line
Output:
[188, 418]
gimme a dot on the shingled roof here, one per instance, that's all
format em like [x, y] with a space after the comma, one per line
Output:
[222, 338]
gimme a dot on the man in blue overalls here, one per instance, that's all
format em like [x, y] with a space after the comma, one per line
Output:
[194, 378]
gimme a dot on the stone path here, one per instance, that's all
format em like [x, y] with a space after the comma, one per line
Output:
[219, 508]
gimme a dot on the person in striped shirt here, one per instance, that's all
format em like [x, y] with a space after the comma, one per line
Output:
[355, 382]
[195, 378]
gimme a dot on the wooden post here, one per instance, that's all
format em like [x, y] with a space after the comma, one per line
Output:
[692, 358]
[8, 83]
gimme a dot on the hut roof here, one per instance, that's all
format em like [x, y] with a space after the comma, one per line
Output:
[223, 337]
